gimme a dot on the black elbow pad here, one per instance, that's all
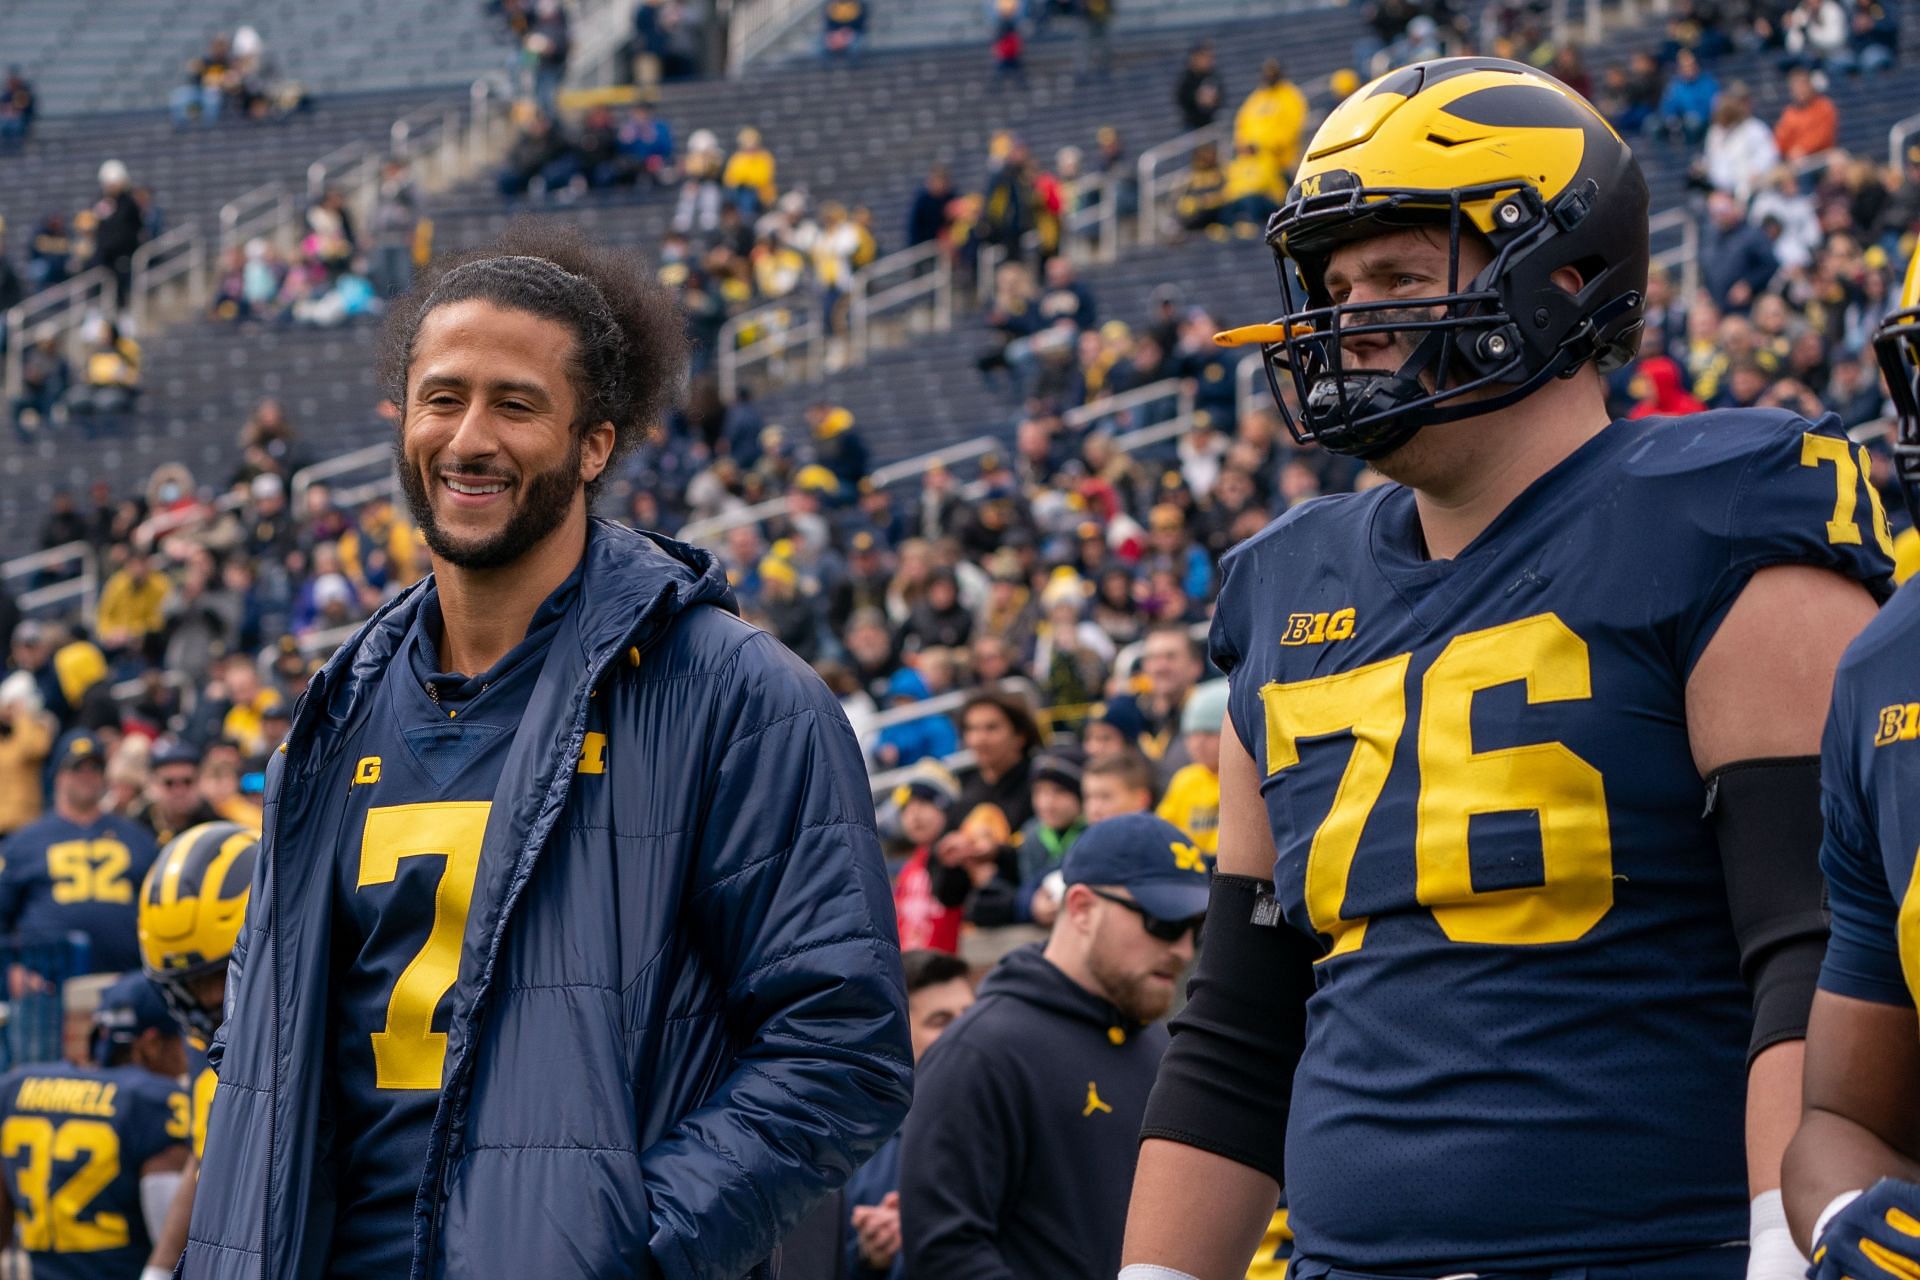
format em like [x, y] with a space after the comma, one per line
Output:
[1226, 1084]
[1766, 818]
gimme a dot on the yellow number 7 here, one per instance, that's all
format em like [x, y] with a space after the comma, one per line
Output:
[1564, 792]
[1847, 478]
[410, 1054]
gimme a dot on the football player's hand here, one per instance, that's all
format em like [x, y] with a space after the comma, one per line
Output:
[1876, 1237]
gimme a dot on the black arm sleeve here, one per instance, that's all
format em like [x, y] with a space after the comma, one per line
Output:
[1766, 818]
[1226, 1084]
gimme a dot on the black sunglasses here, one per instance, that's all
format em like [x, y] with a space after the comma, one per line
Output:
[1164, 930]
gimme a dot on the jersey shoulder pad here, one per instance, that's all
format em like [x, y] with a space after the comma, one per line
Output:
[155, 1112]
[1315, 534]
[1769, 487]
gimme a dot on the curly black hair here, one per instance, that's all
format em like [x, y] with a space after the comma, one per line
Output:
[630, 347]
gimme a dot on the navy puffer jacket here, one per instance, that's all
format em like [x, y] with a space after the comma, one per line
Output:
[679, 1018]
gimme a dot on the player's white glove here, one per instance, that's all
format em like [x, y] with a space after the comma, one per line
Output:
[1772, 1254]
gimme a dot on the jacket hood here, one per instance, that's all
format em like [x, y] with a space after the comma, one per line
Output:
[1028, 976]
[632, 585]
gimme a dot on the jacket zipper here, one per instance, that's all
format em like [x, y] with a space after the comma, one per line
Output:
[442, 1175]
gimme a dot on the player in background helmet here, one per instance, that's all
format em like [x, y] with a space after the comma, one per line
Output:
[1533, 832]
[91, 1156]
[1853, 1174]
[192, 905]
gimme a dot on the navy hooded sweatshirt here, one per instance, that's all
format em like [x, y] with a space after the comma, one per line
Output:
[1016, 1162]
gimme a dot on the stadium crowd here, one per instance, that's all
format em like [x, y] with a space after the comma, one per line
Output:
[1047, 599]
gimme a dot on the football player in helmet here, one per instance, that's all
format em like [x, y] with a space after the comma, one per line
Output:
[192, 905]
[1853, 1173]
[90, 1156]
[1520, 903]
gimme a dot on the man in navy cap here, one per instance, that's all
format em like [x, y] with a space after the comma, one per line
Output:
[174, 802]
[113, 1135]
[76, 869]
[1017, 1159]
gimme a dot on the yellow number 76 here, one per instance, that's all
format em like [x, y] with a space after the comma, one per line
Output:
[1563, 791]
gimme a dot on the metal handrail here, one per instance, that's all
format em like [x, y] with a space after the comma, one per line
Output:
[793, 324]
[907, 468]
[1685, 255]
[53, 313]
[753, 28]
[865, 298]
[180, 254]
[1897, 140]
[884, 782]
[340, 464]
[83, 585]
[1139, 397]
[1153, 183]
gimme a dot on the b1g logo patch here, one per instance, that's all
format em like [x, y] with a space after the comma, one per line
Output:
[1317, 628]
[1898, 723]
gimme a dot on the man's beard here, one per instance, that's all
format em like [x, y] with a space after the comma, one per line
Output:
[1134, 994]
[545, 499]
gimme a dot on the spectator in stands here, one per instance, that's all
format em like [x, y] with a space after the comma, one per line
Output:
[1171, 663]
[1873, 35]
[548, 45]
[911, 741]
[1740, 149]
[210, 78]
[1117, 783]
[699, 205]
[1809, 124]
[1008, 41]
[536, 146]
[1192, 799]
[1094, 58]
[16, 108]
[1816, 35]
[26, 736]
[939, 990]
[118, 227]
[173, 800]
[1269, 124]
[1041, 846]
[395, 227]
[12, 287]
[1200, 92]
[1796, 225]
[1736, 258]
[748, 180]
[930, 215]
[48, 254]
[844, 30]
[1253, 191]
[132, 621]
[666, 45]
[1686, 105]
[77, 869]
[1012, 318]
[645, 147]
[110, 382]
[985, 1192]
[1630, 95]
[1203, 197]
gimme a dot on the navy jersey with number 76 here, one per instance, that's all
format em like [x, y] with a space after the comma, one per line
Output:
[1527, 1043]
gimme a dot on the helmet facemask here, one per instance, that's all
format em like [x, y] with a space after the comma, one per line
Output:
[1897, 345]
[1472, 355]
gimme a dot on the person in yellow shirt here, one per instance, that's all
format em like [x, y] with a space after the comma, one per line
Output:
[748, 179]
[1204, 193]
[1192, 801]
[1272, 119]
[1252, 193]
[133, 606]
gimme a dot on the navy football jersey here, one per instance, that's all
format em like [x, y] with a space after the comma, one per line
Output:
[415, 815]
[200, 1084]
[1527, 1043]
[1870, 798]
[72, 1142]
[60, 877]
